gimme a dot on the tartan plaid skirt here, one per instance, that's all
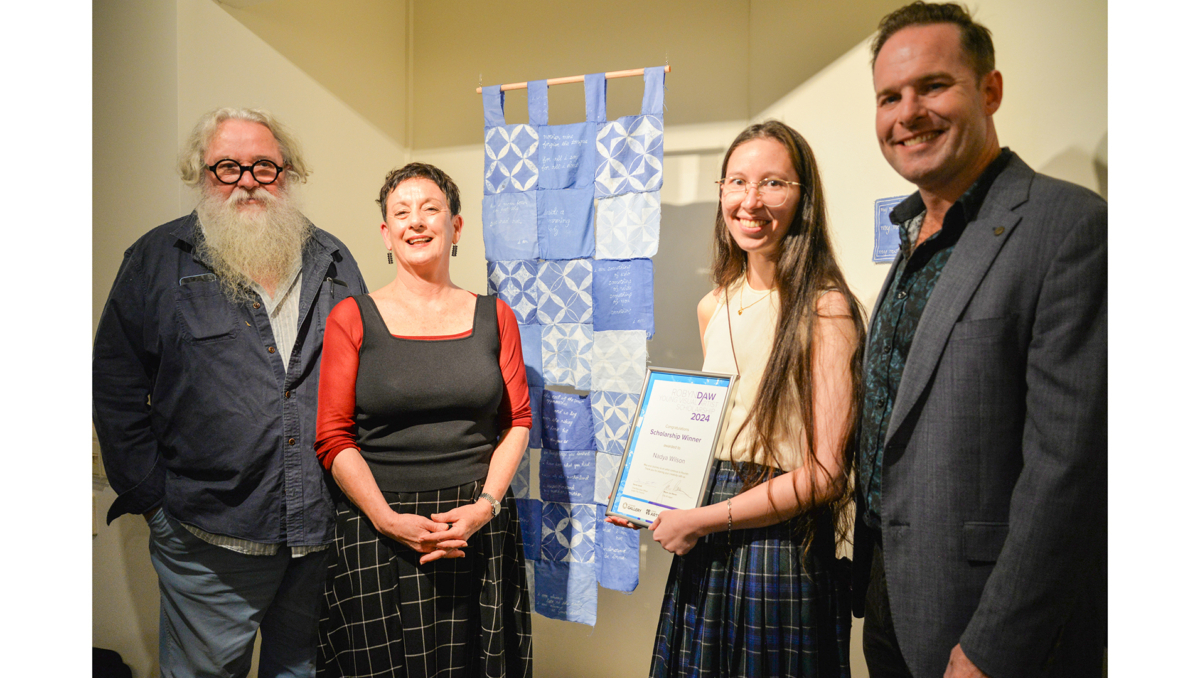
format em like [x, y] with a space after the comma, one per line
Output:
[748, 603]
[387, 615]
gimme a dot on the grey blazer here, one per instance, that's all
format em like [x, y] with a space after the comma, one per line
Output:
[995, 463]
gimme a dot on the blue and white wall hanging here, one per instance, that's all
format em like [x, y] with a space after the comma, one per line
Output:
[570, 221]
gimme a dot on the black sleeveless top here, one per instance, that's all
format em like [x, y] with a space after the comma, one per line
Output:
[426, 409]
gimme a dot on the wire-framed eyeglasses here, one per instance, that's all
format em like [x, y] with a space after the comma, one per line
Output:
[773, 192]
[229, 171]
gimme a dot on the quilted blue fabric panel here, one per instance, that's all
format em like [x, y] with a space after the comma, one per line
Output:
[511, 162]
[565, 591]
[510, 226]
[612, 416]
[564, 290]
[627, 226]
[623, 295]
[565, 225]
[567, 156]
[619, 360]
[568, 476]
[567, 355]
[516, 283]
[616, 557]
[510, 151]
[630, 149]
[569, 532]
[630, 152]
[567, 422]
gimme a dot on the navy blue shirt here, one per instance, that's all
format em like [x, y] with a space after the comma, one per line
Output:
[895, 322]
[190, 399]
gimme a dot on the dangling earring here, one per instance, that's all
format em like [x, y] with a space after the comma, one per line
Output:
[454, 250]
[390, 257]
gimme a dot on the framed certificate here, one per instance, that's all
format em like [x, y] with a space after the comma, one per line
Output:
[669, 454]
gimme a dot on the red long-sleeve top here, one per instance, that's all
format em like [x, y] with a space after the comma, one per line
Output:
[336, 426]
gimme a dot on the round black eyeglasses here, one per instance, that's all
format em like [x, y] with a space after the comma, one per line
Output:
[230, 172]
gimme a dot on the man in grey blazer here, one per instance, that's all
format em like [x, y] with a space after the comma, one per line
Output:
[981, 527]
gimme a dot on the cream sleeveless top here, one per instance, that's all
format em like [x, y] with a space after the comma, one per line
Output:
[753, 337]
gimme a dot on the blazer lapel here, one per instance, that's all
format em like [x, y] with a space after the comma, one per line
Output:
[973, 255]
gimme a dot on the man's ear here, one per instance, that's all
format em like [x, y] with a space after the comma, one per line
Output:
[992, 87]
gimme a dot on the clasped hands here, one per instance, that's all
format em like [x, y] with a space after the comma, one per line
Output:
[677, 531]
[441, 535]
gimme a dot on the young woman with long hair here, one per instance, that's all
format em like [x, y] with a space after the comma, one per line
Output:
[755, 588]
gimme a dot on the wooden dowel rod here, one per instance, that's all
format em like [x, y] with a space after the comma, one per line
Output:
[574, 78]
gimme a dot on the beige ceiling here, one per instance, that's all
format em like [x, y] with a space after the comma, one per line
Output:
[410, 67]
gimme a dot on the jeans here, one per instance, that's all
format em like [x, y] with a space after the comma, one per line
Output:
[213, 601]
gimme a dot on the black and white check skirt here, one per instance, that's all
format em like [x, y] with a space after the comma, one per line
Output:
[388, 615]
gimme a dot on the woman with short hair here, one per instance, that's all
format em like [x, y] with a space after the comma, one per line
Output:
[422, 420]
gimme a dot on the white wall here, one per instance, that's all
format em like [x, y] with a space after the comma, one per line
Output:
[135, 188]
[133, 135]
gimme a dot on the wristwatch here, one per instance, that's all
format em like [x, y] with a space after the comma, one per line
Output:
[491, 500]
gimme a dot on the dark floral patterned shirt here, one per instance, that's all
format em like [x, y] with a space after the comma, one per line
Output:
[895, 323]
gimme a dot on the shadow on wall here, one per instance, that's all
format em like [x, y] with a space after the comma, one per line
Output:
[1080, 167]
[681, 278]
[129, 594]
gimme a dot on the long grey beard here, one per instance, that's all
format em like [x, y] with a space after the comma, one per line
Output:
[243, 247]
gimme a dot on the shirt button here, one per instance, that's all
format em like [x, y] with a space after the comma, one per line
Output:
[902, 294]
[257, 305]
[270, 349]
[291, 441]
[287, 394]
[881, 403]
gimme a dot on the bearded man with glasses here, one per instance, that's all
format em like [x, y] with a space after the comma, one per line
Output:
[204, 387]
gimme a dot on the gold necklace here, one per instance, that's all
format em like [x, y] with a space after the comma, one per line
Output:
[742, 294]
